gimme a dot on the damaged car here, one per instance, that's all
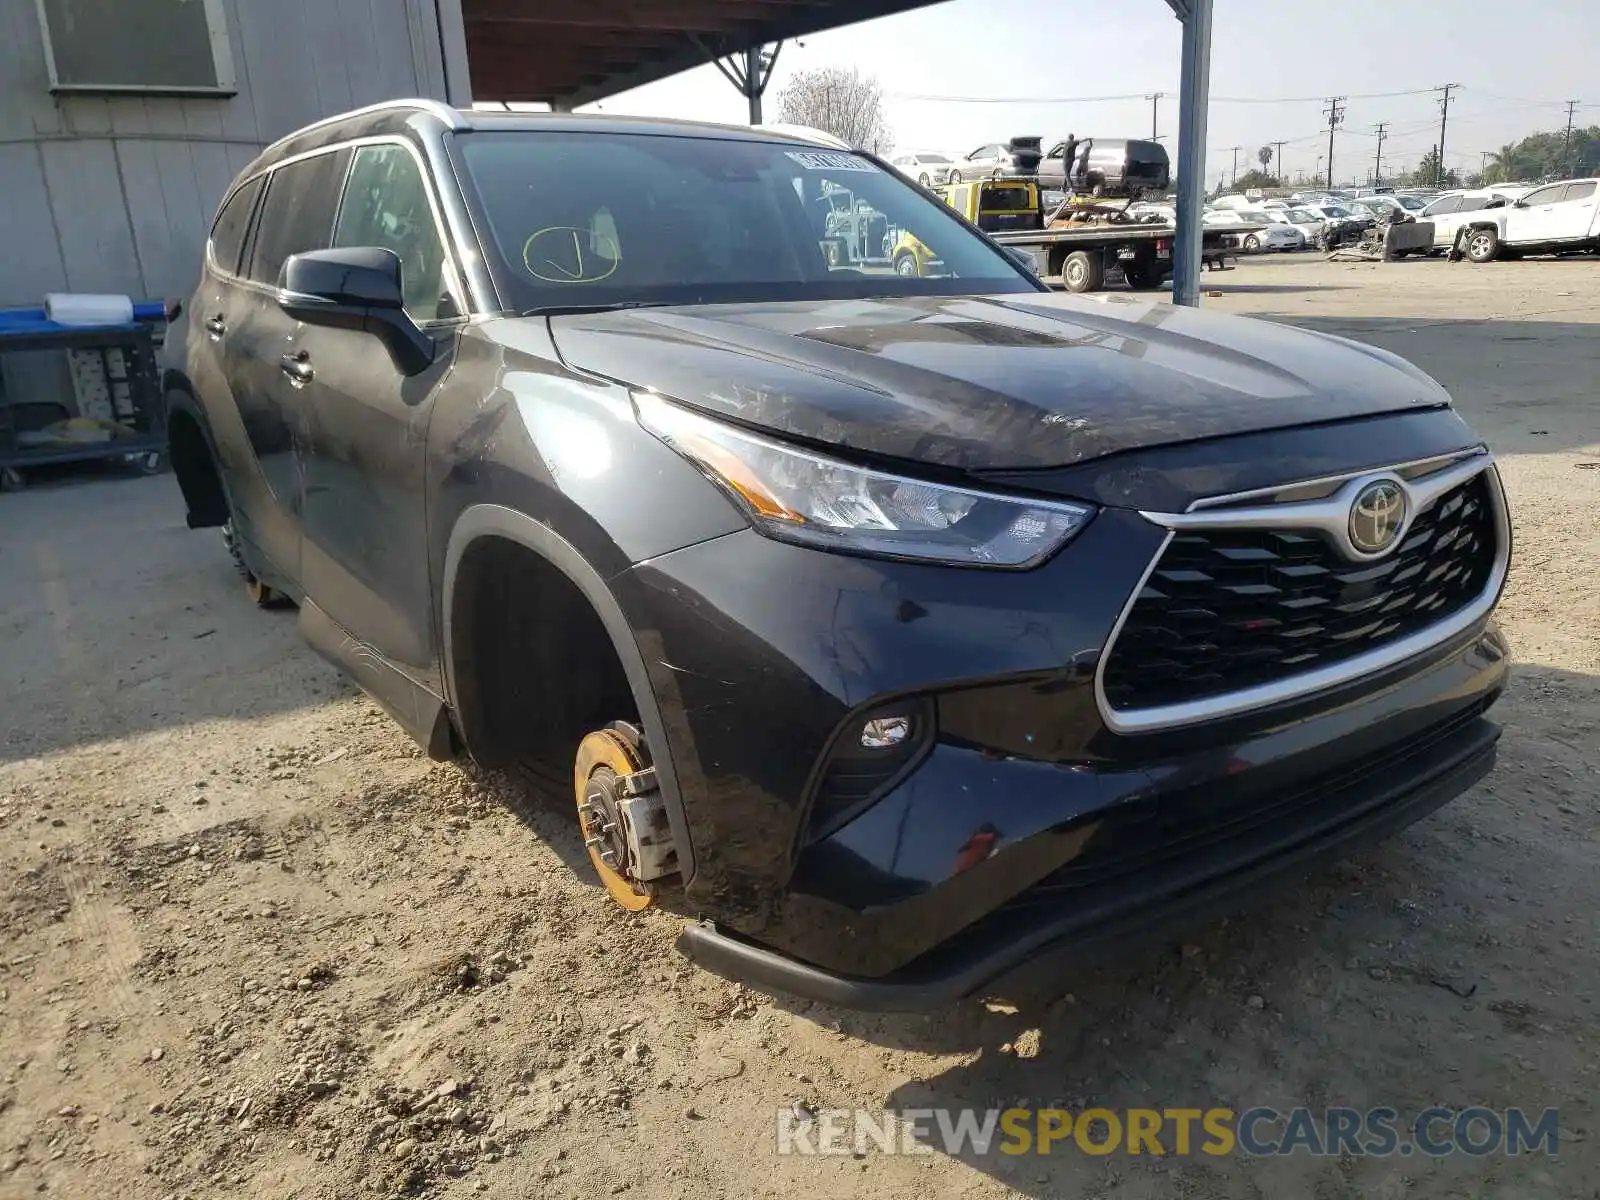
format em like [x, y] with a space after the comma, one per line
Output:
[909, 634]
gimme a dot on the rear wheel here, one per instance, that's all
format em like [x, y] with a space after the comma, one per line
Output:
[1482, 245]
[955, 176]
[1082, 272]
[906, 264]
[1252, 243]
[261, 595]
[922, 178]
[1142, 274]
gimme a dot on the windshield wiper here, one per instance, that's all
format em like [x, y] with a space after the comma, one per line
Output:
[567, 310]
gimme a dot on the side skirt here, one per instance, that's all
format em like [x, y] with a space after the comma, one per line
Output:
[418, 711]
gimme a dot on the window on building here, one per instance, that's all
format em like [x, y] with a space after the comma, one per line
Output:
[297, 213]
[171, 47]
[227, 235]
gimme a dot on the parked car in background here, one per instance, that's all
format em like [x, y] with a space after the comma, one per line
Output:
[927, 169]
[1556, 217]
[1110, 167]
[1019, 156]
[1307, 222]
[900, 631]
[1449, 211]
[1279, 234]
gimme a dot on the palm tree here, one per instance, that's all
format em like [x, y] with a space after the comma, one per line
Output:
[1264, 157]
[1502, 164]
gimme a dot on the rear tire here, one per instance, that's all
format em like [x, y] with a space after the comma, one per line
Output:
[1143, 275]
[1252, 243]
[922, 178]
[1482, 245]
[906, 266]
[1082, 272]
[261, 594]
[955, 176]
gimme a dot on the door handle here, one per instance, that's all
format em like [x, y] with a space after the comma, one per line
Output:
[297, 367]
[216, 326]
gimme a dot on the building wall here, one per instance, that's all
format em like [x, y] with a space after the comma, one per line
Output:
[116, 193]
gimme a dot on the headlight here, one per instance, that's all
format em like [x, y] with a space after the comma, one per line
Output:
[798, 496]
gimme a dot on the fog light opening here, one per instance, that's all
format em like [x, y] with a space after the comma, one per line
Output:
[884, 733]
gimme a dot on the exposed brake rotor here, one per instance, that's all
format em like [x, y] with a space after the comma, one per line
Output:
[621, 815]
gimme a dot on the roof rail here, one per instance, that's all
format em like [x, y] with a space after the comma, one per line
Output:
[450, 116]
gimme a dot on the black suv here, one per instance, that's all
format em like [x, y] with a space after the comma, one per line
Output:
[904, 631]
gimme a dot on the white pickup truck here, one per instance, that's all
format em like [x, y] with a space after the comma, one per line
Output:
[1557, 216]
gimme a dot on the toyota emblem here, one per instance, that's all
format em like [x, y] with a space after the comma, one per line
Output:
[1377, 515]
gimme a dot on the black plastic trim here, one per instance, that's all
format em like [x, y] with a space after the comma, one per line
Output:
[1061, 945]
[494, 520]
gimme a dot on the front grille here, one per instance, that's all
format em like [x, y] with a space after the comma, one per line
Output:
[1230, 609]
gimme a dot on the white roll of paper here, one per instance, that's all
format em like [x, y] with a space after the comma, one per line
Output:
[78, 308]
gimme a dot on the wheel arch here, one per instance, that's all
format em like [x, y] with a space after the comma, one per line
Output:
[481, 522]
[192, 451]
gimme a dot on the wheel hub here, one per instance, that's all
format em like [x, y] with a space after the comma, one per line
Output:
[622, 817]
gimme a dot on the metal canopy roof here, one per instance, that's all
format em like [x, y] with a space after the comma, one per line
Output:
[581, 51]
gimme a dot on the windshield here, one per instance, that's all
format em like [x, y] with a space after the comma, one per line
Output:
[1334, 211]
[1410, 202]
[598, 219]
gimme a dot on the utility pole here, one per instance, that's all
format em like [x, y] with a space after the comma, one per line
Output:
[1444, 117]
[1566, 142]
[1155, 108]
[1377, 165]
[1483, 164]
[1235, 176]
[1277, 157]
[1335, 114]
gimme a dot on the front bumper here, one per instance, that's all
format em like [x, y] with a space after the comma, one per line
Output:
[760, 653]
[1026, 945]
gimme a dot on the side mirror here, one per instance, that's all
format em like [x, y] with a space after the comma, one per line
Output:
[357, 288]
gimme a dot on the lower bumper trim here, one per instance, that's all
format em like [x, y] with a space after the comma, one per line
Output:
[1059, 946]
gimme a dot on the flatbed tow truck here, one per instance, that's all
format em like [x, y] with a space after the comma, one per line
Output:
[1072, 246]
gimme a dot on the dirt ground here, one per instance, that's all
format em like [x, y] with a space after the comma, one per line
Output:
[253, 944]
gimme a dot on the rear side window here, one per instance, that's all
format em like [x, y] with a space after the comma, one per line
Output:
[1440, 208]
[297, 213]
[1579, 191]
[227, 235]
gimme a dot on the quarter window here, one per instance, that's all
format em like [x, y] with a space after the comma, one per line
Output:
[386, 205]
[297, 214]
[227, 235]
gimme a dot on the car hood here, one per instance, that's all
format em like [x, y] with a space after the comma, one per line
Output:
[985, 383]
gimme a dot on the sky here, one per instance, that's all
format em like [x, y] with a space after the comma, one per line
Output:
[1272, 65]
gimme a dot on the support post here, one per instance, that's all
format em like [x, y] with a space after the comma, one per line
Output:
[1194, 97]
[754, 82]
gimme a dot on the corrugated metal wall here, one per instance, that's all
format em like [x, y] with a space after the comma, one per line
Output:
[116, 193]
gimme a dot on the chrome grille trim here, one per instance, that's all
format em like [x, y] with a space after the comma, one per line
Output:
[1313, 515]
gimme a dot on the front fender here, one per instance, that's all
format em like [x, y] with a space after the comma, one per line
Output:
[492, 520]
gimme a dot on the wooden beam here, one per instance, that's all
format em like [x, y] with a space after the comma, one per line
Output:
[709, 16]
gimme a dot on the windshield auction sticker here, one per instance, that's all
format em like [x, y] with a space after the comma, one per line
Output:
[829, 160]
